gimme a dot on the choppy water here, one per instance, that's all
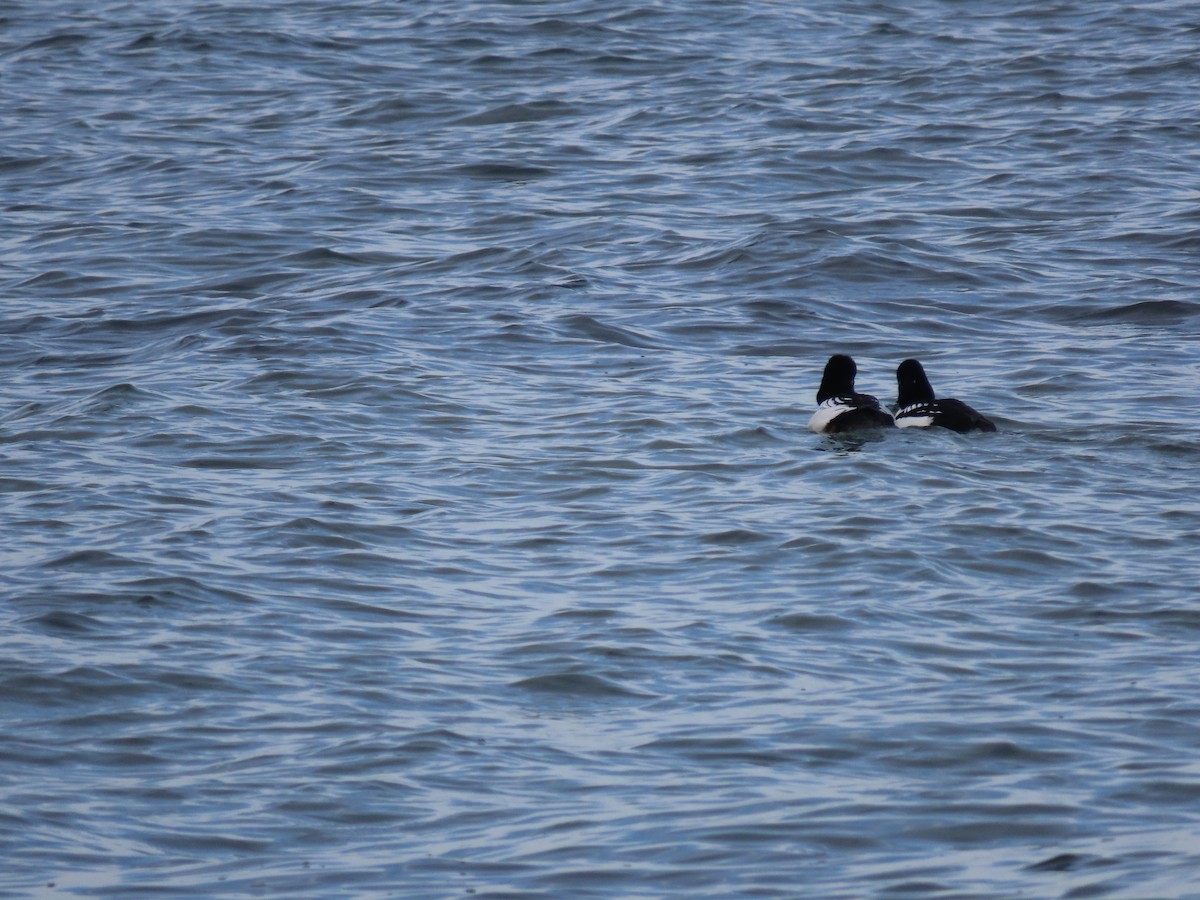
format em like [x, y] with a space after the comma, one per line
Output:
[406, 489]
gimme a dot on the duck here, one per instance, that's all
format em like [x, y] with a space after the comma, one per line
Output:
[840, 408]
[916, 406]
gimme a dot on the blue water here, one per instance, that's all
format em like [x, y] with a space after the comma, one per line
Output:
[406, 482]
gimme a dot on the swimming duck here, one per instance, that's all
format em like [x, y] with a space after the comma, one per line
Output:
[917, 408]
[839, 407]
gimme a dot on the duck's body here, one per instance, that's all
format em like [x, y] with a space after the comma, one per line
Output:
[916, 406]
[840, 408]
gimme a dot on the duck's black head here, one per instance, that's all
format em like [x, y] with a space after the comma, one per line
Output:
[913, 384]
[838, 380]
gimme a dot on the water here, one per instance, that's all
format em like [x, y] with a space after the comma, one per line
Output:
[406, 488]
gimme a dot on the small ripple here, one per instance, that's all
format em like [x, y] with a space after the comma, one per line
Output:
[734, 537]
[809, 622]
[515, 172]
[516, 113]
[91, 560]
[1061, 862]
[61, 621]
[1143, 312]
[577, 685]
[594, 330]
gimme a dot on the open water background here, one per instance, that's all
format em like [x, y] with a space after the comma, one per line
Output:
[405, 483]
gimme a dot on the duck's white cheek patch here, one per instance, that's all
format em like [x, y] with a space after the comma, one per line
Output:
[825, 414]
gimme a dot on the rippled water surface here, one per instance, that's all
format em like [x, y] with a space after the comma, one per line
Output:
[406, 488]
